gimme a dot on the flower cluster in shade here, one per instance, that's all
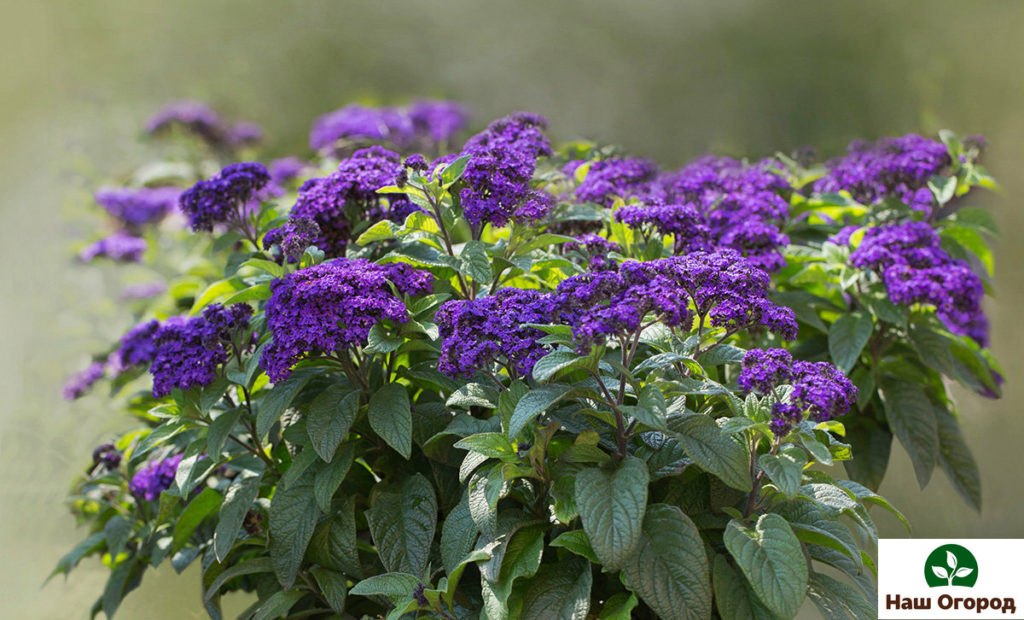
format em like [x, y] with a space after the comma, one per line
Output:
[477, 333]
[819, 389]
[108, 455]
[898, 167]
[156, 477]
[595, 249]
[189, 351]
[201, 120]
[120, 246]
[222, 198]
[349, 195]
[721, 286]
[497, 177]
[331, 307]
[420, 122]
[292, 239]
[713, 202]
[135, 207]
[916, 270]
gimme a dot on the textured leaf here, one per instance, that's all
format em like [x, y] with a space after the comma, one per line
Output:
[393, 585]
[956, 459]
[559, 592]
[391, 417]
[248, 567]
[117, 531]
[194, 514]
[912, 419]
[670, 570]
[847, 337]
[733, 596]
[534, 403]
[333, 544]
[618, 607]
[237, 501]
[814, 526]
[402, 525]
[476, 263]
[770, 557]
[710, 448]
[612, 504]
[274, 401]
[332, 584]
[330, 415]
[330, 476]
[553, 363]
[219, 430]
[785, 469]
[278, 604]
[293, 516]
[836, 599]
[458, 535]
[577, 542]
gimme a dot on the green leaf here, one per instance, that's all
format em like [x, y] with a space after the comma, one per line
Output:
[453, 171]
[847, 337]
[618, 607]
[217, 290]
[274, 401]
[93, 543]
[577, 542]
[712, 449]
[393, 585]
[293, 515]
[458, 535]
[300, 464]
[651, 409]
[391, 417]
[956, 459]
[278, 604]
[517, 555]
[327, 480]
[237, 501]
[785, 470]
[116, 586]
[770, 557]
[476, 263]
[559, 592]
[971, 240]
[219, 430]
[330, 416]
[812, 525]
[193, 467]
[380, 231]
[333, 544]
[911, 417]
[197, 510]
[733, 596]
[402, 525]
[871, 446]
[933, 348]
[836, 599]
[332, 584]
[669, 570]
[612, 504]
[534, 403]
[473, 395]
[491, 445]
[248, 567]
[117, 531]
[555, 362]
[253, 293]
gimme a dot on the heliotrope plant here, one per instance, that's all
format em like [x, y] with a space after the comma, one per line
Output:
[522, 380]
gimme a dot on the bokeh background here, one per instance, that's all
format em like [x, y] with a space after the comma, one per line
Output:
[665, 79]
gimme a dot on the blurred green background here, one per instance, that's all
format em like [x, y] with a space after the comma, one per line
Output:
[665, 79]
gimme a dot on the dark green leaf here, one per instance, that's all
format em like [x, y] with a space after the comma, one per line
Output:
[785, 469]
[197, 510]
[402, 524]
[273, 402]
[577, 542]
[278, 604]
[770, 557]
[332, 585]
[391, 417]
[458, 535]
[733, 596]
[293, 515]
[117, 531]
[219, 430]
[713, 450]
[534, 403]
[612, 504]
[837, 600]
[393, 585]
[248, 567]
[237, 501]
[559, 592]
[847, 337]
[330, 476]
[956, 459]
[476, 263]
[330, 416]
[911, 417]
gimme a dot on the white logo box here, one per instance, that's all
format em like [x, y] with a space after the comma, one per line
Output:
[997, 593]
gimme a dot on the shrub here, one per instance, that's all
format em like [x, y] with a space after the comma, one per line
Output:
[530, 381]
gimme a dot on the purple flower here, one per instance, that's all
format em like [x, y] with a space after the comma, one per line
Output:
[155, 478]
[137, 347]
[119, 246]
[79, 383]
[357, 122]
[898, 167]
[682, 220]
[190, 350]
[721, 286]
[916, 270]
[222, 198]
[197, 117]
[138, 206]
[408, 279]
[293, 238]
[437, 120]
[146, 290]
[595, 250]
[349, 195]
[843, 236]
[498, 176]
[820, 390]
[326, 308]
[616, 178]
[107, 455]
[477, 333]
[285, 169]
[244, 132]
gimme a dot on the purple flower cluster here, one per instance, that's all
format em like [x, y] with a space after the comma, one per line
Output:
[201, 120]
[292, 239]
[145, 290]
[107, 455]
[716, 202]
[819, 389]
[120, 246]
[137, 347]
[221, 198]
[328, 308]
[916, 270]
[79, 383]
[722, 286]
[153, 479]
[349, 195]
[423, 120]
[616, 178]
[135, 207]
[477, 333]
[898, 167]
[595, 250]
[190, 351]
[497, 178]
[285, 169]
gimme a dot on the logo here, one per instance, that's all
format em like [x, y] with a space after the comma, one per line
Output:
[951, 565]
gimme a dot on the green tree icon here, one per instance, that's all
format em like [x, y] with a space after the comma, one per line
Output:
[951, 565]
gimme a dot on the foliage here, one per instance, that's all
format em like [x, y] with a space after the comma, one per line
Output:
[572, 404]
